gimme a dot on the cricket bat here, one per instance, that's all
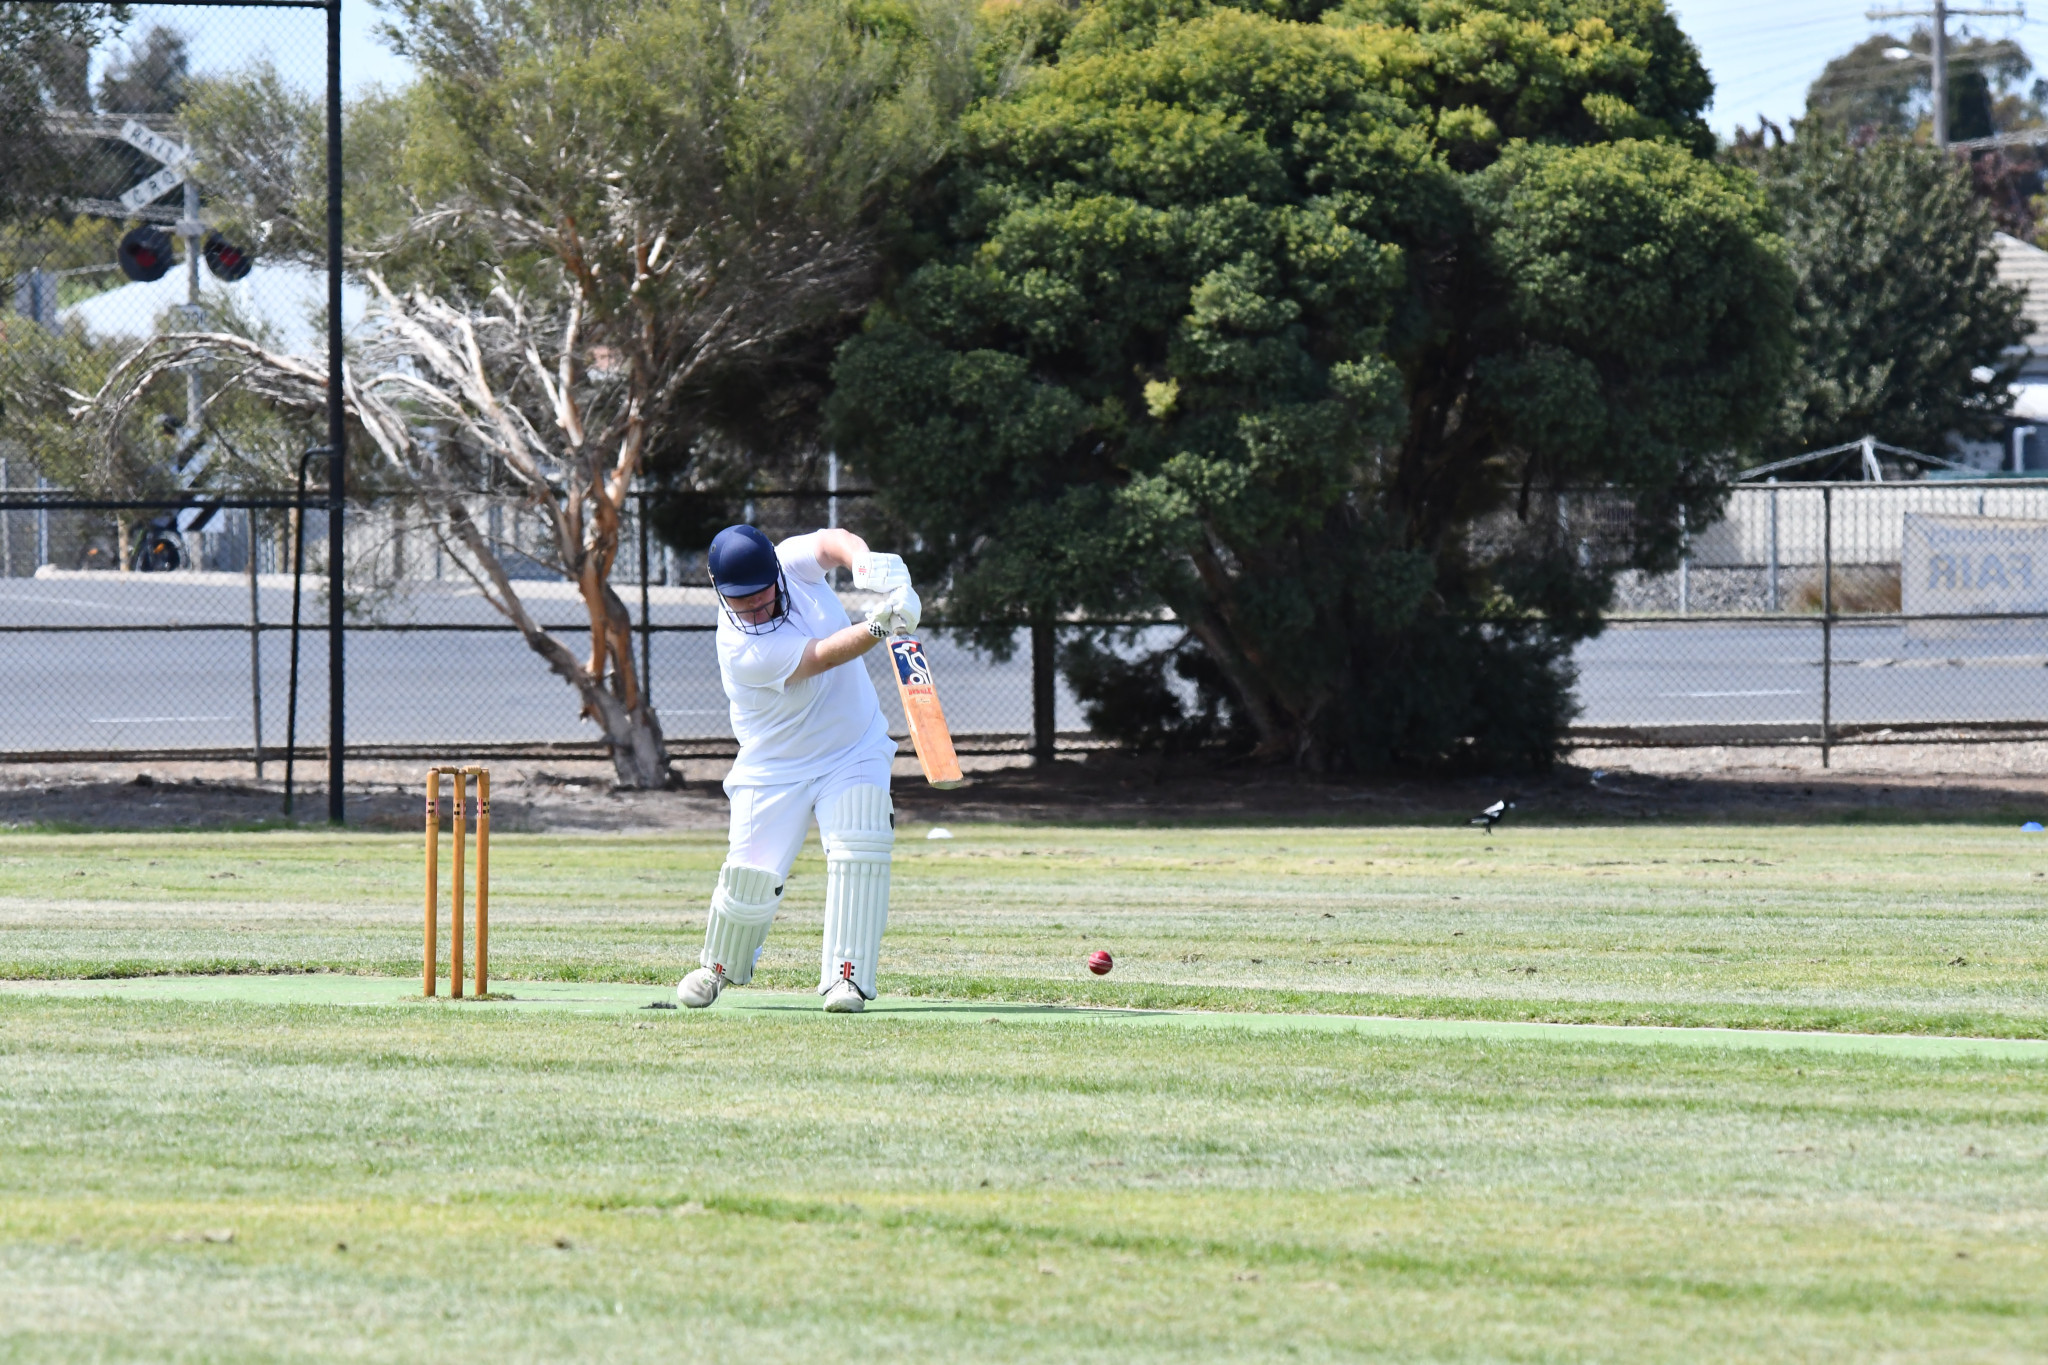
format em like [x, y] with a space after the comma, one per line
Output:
[922, 712]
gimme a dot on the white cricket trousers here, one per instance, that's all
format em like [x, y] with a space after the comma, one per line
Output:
[769, 824]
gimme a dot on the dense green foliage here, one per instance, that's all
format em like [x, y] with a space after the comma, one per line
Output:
[1904, 330]
[1298, 324]
[43, 68]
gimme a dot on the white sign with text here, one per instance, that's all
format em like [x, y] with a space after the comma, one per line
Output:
[174, 155]
[1962, 565]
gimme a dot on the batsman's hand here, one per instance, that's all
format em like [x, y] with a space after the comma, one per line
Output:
[881, 620]
[898, 613]
[905, 608]
[874, 571]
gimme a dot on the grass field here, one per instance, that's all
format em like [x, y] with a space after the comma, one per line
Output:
[221, 1179]
[1917, 929]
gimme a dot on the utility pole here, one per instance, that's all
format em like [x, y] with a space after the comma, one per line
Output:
[1940, 54]
[1939, 16]
[337, 440]
[193, 232]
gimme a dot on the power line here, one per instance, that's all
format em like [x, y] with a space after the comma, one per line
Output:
[1939, 29]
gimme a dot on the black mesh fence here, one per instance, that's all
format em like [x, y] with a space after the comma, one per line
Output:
[1829, 614]
[1825, 615]
[187, 651]
[168, 181]
[164, 174]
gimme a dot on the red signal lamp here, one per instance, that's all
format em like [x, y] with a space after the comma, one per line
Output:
[145, 254]
[226, 260]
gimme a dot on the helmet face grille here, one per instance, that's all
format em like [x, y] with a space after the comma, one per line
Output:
[774, 618]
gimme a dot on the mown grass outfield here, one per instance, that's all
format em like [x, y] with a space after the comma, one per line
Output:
[256, 1178]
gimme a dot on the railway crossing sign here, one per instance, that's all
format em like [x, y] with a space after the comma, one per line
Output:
[174, 156]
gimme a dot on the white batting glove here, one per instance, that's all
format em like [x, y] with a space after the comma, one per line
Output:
[877, 572]
[896, 614]
[906, 609]
[880, 617]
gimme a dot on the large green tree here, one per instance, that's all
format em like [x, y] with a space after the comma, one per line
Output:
[1299, 325]
[1904, 330]
[583, 213]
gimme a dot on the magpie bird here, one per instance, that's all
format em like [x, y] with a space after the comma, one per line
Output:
[1492, 815]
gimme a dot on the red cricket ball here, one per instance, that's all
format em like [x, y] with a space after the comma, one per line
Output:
[1099, 962]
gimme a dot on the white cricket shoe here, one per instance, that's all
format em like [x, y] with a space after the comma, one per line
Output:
[700, 987]
[844, 998]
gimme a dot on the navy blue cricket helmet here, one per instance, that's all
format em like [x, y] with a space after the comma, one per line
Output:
[742, 562]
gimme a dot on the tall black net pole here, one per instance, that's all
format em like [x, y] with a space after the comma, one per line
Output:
[646, 631]
[1827, 619]
[1044, 691]
[337, 436]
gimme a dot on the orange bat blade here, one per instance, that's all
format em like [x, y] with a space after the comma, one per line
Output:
[921, 711]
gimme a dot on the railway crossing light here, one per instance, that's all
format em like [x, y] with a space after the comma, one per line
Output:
[145, 254]
[226, 260]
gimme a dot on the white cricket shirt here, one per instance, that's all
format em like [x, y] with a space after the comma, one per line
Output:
[795, 731]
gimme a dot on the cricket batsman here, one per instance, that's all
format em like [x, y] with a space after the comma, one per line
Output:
[813, 744]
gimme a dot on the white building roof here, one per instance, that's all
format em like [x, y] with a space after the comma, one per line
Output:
[2026, 265]
[285, 296]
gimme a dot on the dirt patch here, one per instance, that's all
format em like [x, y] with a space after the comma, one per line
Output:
[383, 796]
[1991, 783]
[1621, 787]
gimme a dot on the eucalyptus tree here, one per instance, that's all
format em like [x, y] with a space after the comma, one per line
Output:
[580, 209]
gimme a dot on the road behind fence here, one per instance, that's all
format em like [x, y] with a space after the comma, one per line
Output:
[184, 178]
[193, 659]
[1816, 615]
[1832, 614]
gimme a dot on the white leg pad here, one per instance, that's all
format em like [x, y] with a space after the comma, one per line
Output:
[860, 831]
[742, 908]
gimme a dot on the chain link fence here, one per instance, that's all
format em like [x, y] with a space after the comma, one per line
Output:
[1812, 615]
[166, 171]
[174, 179]
[189, 652]
[1832, 614]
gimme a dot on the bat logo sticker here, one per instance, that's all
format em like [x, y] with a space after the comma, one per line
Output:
[911, 668]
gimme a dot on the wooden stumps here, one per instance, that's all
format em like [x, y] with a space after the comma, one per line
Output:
[460, 829]
[461, 814]
[483, 881]
[433, 874]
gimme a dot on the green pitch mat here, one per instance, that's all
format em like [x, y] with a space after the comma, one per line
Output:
[612, 998]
